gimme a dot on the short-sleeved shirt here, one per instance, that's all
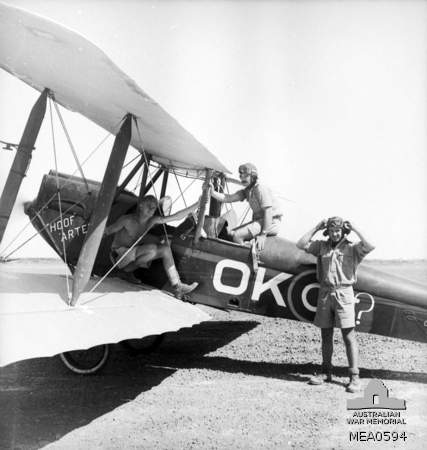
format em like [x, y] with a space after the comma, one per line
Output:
[259, 198]
[336, 266]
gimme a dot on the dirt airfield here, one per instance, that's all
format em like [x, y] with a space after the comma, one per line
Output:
[236, 382]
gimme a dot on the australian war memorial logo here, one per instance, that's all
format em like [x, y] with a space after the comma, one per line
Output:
[378, 415]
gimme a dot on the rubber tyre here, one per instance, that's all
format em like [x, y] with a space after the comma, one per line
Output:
[86, 362]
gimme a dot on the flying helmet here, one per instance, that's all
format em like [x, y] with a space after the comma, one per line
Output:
[249, 169]
[338, 222]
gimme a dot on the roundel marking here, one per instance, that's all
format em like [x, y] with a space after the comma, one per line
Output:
[302, 295]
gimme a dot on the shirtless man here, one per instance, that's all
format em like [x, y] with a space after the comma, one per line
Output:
[131, 227]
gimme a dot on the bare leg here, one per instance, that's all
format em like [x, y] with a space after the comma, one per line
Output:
[240, 236]
[145, 255]
[149, 252]
[246, 232]
[349, 337]
[327, 348]
[163, 251]
[130, 267]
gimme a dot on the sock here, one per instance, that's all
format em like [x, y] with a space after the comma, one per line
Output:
[173, 275]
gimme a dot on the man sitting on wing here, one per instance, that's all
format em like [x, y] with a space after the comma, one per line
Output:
[129, 228]
[266, 216]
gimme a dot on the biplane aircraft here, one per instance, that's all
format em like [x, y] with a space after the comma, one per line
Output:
[71, 212]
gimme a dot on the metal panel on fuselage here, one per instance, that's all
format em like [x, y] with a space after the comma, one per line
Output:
[228, 280]
[65, 228]
[223, 269]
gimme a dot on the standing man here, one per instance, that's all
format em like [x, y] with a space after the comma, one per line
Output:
[337, 261]
[131, 227]
[266, 216]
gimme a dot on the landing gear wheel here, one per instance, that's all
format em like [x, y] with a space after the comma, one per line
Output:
[86, 362]
[145, 345]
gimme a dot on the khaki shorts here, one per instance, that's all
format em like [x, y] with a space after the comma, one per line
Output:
[130, 257]
[254, 228]
[118, 252]
[335, 308]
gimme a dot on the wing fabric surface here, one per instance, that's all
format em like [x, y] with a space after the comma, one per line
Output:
[45, 54]
[35, 320]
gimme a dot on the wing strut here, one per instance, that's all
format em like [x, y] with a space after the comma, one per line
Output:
[164, 183]
[150, 184]
[22, 160]
[128, 179]
[102, 209]
[144, 177]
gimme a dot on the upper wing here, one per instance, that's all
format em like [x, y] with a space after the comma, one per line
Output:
[45, 54]
[35, 321]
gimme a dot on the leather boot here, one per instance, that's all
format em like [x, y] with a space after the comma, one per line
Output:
[354, 384]
[324, 377]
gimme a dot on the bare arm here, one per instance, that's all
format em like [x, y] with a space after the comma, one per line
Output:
[267, 219]
[116, 226]
[226, 198]
[306, 238]
[178, 215]
[266, 223]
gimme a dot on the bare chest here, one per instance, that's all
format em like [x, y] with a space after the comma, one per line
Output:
[135, 228]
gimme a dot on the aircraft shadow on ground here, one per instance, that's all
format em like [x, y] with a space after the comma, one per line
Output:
[293, 371]
[42, 401]
[187, 350]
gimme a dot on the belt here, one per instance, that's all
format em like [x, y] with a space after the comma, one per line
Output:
[334, 288]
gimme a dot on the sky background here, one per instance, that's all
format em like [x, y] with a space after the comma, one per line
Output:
[327, 98]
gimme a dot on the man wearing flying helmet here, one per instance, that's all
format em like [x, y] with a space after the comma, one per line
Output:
[266, 216]
[337, 261]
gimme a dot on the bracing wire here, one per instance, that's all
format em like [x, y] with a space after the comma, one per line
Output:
[227, 206]
[73, 150]
[131, 161]
[37, 232]
[243, 216]
[179, 187]
[138, 182]
[182, 192]
[64, 251]
[116, 263]
[149, 174]
[69, 181]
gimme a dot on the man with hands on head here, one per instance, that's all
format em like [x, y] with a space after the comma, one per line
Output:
[266, 216]
[337, 262]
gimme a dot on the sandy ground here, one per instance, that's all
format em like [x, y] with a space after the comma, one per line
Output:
[236, 382]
